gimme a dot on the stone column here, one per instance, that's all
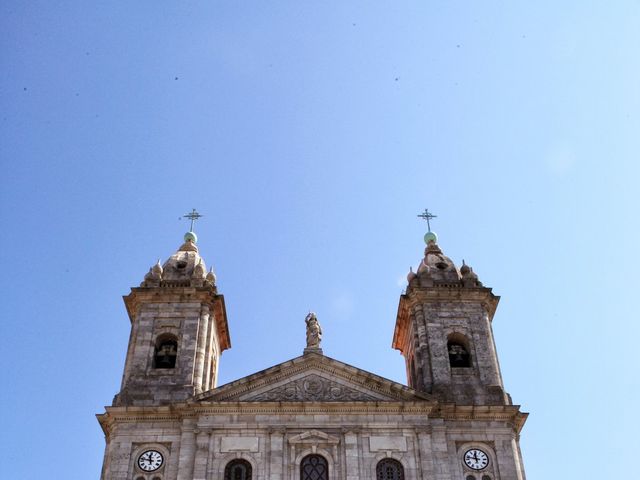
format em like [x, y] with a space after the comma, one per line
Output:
[276, 452]
[201, 347]
[187, 450]
[351, 455]
[201, 456]
[208, 360]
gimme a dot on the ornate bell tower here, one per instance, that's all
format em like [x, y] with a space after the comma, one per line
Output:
[178, 331]
[443, 330]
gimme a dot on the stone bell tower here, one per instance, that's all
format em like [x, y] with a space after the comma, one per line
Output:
[178, 331]
[443, 330]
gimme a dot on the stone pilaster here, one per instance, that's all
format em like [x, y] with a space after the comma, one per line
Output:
[508, 458]
[440, 453]
[120, 456]
[209, 374]
[187, 450]
[438, 349]
[351, 455]
[201, 456]
[425, 450]
[276, 453]
[201, 347]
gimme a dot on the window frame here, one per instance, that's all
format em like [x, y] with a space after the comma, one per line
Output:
[238, 461]
[393, 461]
[315, 455]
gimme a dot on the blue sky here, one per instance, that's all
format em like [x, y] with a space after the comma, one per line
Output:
[310, 134]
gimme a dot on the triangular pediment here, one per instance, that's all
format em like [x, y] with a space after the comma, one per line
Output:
[314, 437]
[312, 378]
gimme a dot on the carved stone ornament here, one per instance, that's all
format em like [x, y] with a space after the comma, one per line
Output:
[312, 388]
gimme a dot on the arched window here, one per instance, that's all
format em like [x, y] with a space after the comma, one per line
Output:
[237, 470]
[166, 352]
[314, 467]
[458, 350]
[389, 469]
[471, 477]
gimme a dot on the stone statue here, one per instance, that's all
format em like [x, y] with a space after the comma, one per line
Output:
[314, 331]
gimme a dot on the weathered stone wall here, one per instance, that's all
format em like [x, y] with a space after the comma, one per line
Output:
[187, 315]
[427, 320]
[200, 447]
[144, 385]
[481, 383]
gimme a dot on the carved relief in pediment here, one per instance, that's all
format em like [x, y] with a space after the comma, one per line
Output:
[312, 388]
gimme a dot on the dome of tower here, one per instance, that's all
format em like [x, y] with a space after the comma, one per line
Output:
[440, 267]
[183, 264]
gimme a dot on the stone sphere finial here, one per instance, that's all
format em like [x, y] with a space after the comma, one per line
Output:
[190, 237]
[430, 237]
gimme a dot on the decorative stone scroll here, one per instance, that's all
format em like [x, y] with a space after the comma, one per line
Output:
[312, 388]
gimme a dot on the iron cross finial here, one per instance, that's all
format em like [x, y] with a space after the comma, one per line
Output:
[193, 216]
[426, 215]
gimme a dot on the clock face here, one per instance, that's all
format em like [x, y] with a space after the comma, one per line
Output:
[476, 459]
[150, 460]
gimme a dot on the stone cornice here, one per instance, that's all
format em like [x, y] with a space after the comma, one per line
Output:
[141, 295]
[433, 294]
[510, 414]
[181, 411]
[506, 413]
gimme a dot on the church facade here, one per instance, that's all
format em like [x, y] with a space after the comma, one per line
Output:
[312, 417]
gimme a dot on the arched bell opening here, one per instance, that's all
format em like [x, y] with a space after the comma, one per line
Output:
[166, 352]
[458, 350]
